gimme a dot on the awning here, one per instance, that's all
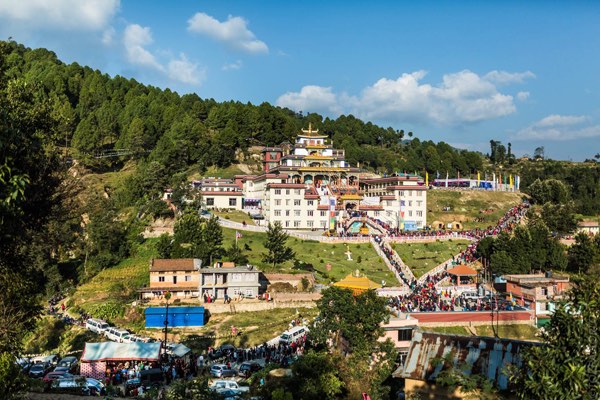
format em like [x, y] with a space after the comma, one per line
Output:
[111, 351]
[180, 350]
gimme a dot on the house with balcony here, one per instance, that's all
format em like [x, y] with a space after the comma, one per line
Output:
[225, 278]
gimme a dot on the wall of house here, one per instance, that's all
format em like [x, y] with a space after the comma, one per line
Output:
[222, 200]
[165, 279]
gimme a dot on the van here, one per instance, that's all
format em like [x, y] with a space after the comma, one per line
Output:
[117, 335]
[290, 336]
[96, 325]
[471, 295]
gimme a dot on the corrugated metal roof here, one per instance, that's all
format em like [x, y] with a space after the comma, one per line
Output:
[477, 354]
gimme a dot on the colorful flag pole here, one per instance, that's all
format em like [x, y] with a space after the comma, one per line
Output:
[446, 178]
[426, 178]
[478, 178]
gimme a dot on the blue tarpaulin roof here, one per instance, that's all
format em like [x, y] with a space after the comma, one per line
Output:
[105, 351]
[174, 310]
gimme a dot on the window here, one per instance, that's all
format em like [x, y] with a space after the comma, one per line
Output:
[287, 191]
[402, 193]
[287, 202]
[161, 278]
[175, 279]
[277, 191]
[296, 191]
[310, 203]
[278, 213]
[419, 224]
[419, 203]
[323, 213]
[410, 213]
[210, 201]
[544, 291]
[323, 224]
[287, 213]
[296, 213]
[405, 334]
[419, 193]
[310, 213]
[410, 193]
[419, 213]
[296, 202]
[278, 202]
[389, 202]
[309, 224]
[187, 278]
[232, 201]
[296, 224]
[287, 224]
[410, 203]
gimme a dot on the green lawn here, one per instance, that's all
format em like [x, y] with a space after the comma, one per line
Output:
[318, 255]
[449, 330]
[466, 206]
[234, 215]
[517, 331]
[421, 257]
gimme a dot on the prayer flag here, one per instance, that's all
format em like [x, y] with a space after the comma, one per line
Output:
[426, 178]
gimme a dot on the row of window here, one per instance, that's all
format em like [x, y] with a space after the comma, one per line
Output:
[288, 192]
[298, 224]
[186, 278]
[210, 201]
[297, 213]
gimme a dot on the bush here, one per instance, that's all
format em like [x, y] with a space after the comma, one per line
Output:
[359, 259]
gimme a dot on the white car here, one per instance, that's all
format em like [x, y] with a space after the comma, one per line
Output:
[222, 385]
[116, 334]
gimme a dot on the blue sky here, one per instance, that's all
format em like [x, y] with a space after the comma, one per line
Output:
[463, 72]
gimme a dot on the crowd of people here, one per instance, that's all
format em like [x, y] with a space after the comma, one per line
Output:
[426, 296]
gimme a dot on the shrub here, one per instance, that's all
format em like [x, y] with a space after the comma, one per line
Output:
[359, 259]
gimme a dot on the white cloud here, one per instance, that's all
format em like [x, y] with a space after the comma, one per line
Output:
[234, 32]
[234, 65]
[462, 97]
[522, 96]
[559, 128]
[311, 99]
[503, 77]
[135, 39]
[66, 15]
[184, 71]
[108, 35]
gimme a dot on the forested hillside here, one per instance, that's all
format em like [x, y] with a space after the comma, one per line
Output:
[98, 113]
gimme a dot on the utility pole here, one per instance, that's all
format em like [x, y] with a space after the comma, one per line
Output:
[167, 295]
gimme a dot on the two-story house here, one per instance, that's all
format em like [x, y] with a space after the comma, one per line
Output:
[537, 291]
[225, 278]
[179, 276]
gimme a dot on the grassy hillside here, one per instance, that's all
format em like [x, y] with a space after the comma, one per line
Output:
[318, 255]
[421, 257]
[466, 206]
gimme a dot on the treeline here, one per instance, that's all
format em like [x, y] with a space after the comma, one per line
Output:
[99, 114]
[582, 182]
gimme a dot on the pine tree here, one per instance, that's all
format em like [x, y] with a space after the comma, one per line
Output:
[277, 251]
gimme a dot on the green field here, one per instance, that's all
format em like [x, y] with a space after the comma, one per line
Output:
[318, 255]
[515, 331]
[234, 215]
[466, 206]
[421, 257]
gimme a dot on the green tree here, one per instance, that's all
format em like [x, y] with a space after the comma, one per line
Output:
[277, 251]
[581, 253]
[316, 376]
[236, 254]
[567, 365]
[559, 218]
[164, 245]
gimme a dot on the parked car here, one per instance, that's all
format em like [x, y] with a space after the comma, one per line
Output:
[222, 351]
[54, 375]
[222, 385]
[96, 325]
[248, 368]
[78, 385]
[69, 364]
[116, 334]
[39, 370]
[221, 371]
[52, 359]
[152, 377]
